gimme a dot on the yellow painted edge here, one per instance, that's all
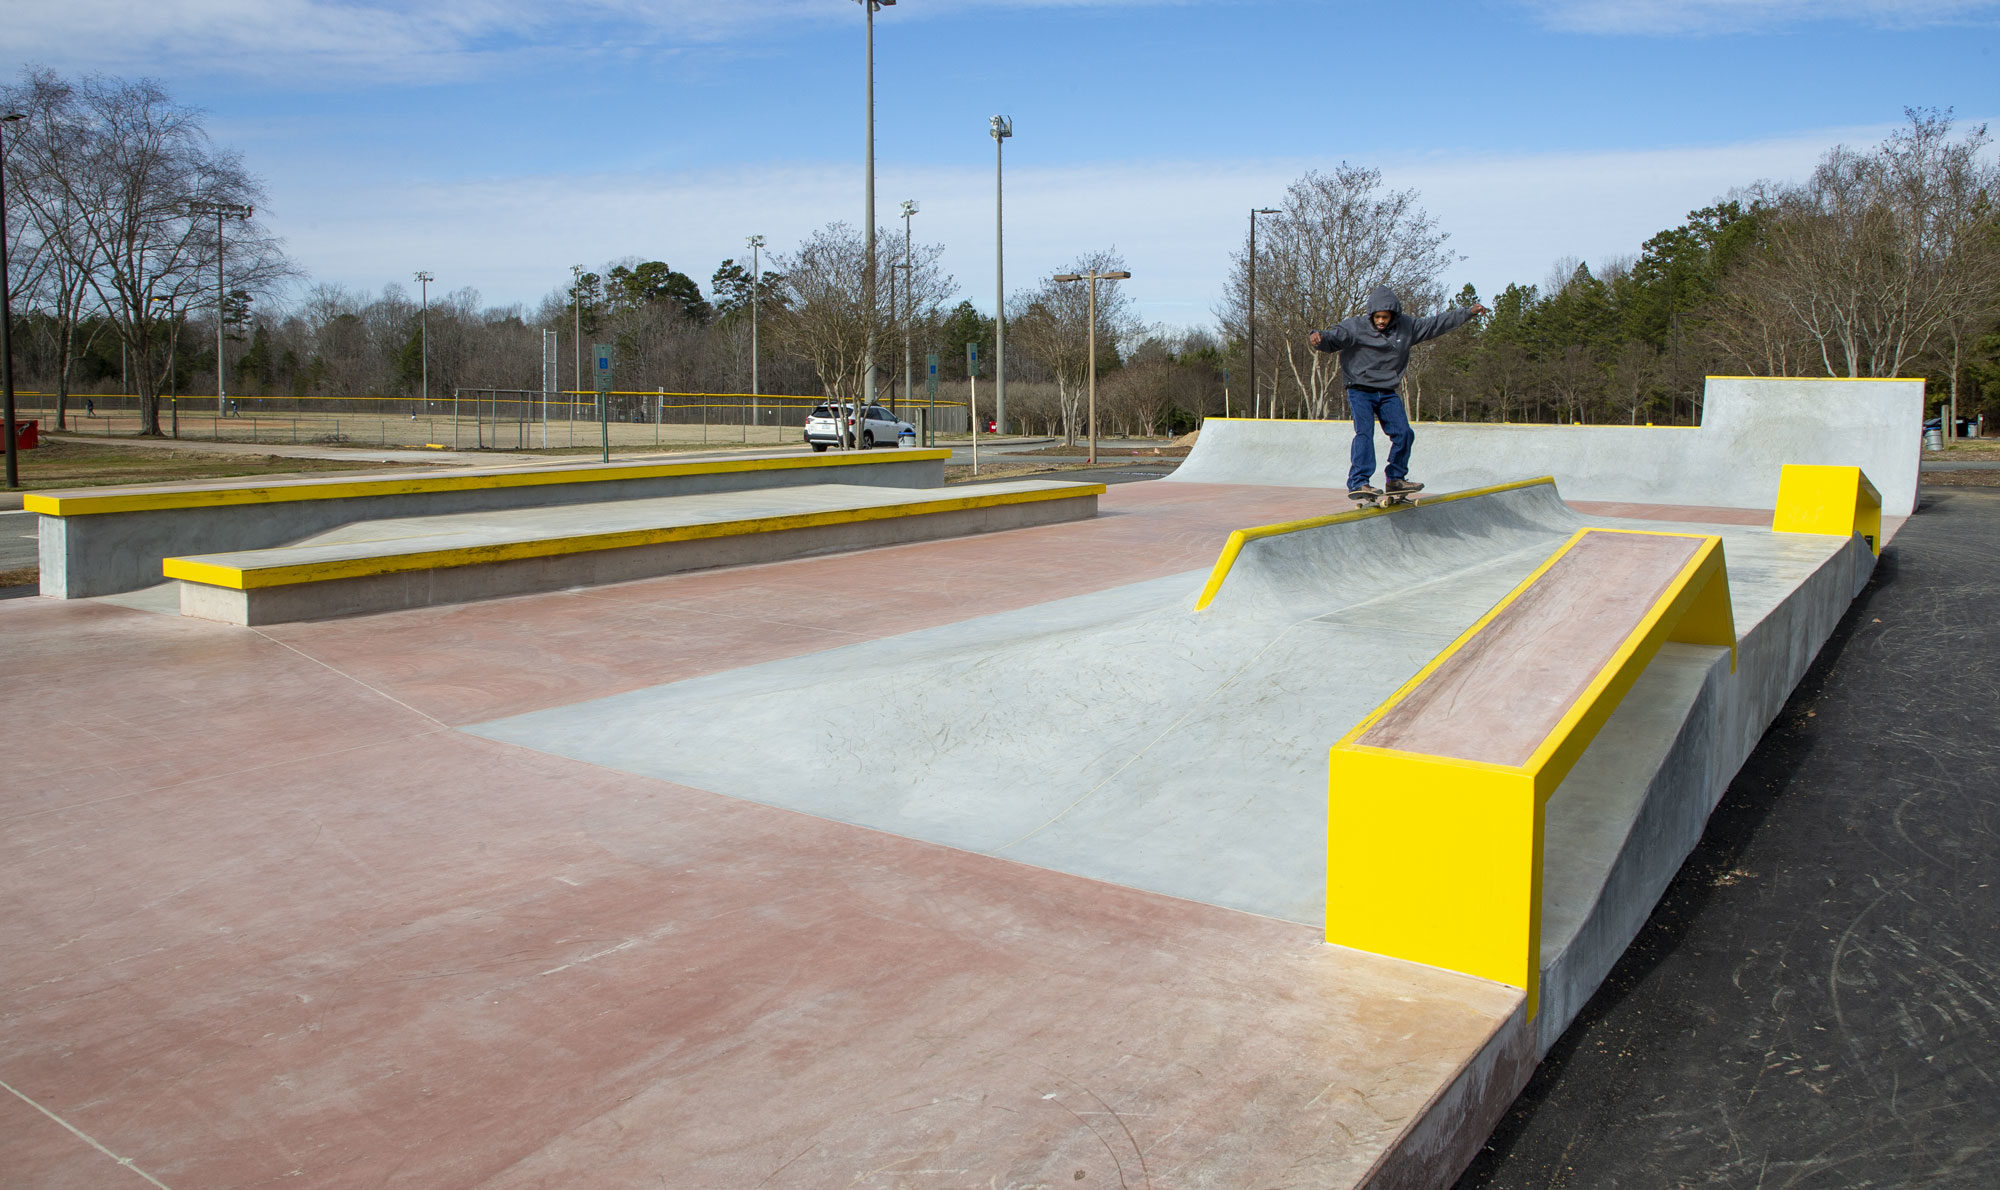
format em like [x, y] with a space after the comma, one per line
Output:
[88, 505]
[253, 578]
[1559, 750]
[1825, 379]
[1242, 537]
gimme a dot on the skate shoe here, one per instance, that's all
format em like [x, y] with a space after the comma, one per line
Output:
[1404, 487]
[1364, 492]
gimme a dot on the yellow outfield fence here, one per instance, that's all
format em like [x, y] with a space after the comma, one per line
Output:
[485, 419]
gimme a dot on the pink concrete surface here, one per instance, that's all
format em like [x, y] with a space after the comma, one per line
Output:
[473, 662]
[265, 919]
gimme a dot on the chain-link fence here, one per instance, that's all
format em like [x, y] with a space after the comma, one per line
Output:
[476, 419]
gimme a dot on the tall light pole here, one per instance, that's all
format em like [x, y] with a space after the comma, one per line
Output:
[576, 300]
[7, 319]
[424, 280]
[221, 211]
[1093, 276]
[756, 279]
[1255, 405]
[909, 301]
[868, 276]
[1002, 128]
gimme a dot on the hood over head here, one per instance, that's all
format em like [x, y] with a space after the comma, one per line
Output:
[1384, 298]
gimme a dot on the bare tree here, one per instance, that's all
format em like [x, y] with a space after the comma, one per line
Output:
[1878, 253]
[1050, 324]
[1336, 237]
[825, 318]
[130, 161]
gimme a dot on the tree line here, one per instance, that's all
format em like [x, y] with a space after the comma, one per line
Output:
[1885, 261]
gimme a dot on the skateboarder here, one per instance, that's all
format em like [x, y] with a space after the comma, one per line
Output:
[1374, 349]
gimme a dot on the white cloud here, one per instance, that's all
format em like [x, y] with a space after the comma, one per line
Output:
[1738, 16]
[1176, 222]
[315, 43]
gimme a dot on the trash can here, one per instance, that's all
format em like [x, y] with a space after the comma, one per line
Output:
[1933, 438]
[906, 438]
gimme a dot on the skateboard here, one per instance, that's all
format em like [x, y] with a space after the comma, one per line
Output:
[1386, 500]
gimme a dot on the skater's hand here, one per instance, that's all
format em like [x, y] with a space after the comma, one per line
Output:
[1478, 309]
[1312, 340]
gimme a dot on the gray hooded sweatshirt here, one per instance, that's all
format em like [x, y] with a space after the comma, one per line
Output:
[1375, 359]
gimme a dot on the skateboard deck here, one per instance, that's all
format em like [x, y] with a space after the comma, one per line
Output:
[1387, 500]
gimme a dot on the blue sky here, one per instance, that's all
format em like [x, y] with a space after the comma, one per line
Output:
[495, 142]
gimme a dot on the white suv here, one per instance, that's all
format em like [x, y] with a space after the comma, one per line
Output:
[879, 427]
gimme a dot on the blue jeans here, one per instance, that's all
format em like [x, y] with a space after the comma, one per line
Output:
[1367, 408]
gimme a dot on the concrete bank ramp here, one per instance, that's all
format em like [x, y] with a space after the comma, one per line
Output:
[1750, 428]
[1119, 735]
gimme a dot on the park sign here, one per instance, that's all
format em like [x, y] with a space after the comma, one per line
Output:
[601, 372]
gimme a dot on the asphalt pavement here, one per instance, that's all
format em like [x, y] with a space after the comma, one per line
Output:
[1816, 999]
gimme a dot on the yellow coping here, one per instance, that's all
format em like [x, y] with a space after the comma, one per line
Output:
[280, 575]
[1439, 860]
[1242, 537]
[85, 503]
[1834, 501]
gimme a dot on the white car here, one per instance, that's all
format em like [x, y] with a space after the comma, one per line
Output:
[879, 427]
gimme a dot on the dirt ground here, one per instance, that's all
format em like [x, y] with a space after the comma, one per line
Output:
[75, 463]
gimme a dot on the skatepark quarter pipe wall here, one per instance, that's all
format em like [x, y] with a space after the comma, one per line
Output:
[1750, 428]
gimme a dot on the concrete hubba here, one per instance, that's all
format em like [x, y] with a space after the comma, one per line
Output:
[1751, 427]
[424, 561]
[1435, 819]
[101, 541]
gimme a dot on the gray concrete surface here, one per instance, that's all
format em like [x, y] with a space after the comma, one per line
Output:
[19, 542]
[898, 518]
[1750, 428]
[102, 554]
[1127, 738]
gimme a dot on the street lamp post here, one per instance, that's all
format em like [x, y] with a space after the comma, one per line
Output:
[576, 301]
[756, 276]
[424, 280]
[1093, 276]
[909, 301]
[221, 211]
[1002, 127]
[7, 322]
[1256, 407]
[868, 275]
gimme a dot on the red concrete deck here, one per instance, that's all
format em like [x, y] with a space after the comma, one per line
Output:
[267, 919]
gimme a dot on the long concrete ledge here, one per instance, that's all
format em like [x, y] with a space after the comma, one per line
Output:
[386, 565]
[102, 541]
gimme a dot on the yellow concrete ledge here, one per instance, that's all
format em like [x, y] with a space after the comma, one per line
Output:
[1439, 860]
[281, 575]
[1242, 537]
[1831, 501]
[87, 503]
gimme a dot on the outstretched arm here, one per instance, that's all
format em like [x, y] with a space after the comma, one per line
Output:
[1450, 320]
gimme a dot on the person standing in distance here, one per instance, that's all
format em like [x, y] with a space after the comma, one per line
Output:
[1374, 350]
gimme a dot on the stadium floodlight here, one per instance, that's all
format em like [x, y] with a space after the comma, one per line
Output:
[424, 280]
[6, 329]
[221, 211]
[1002, 127]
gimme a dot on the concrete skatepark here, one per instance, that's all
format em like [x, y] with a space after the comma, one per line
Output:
[964, 859]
